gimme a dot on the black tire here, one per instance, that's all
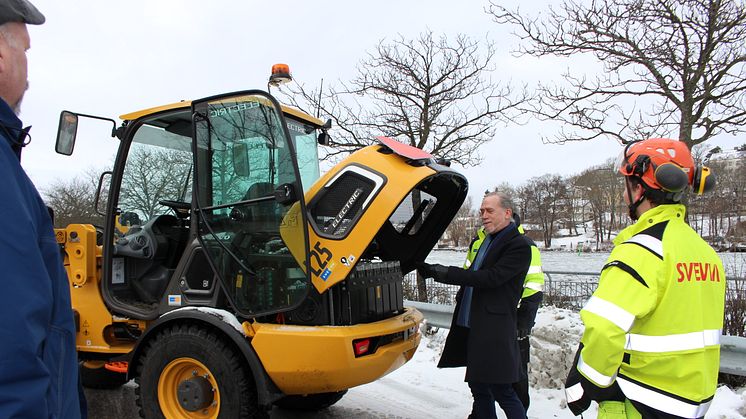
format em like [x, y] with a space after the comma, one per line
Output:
[311, 402]
[100, 378]
[185, 345]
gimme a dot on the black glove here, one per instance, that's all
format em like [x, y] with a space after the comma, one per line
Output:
[434, 271]
[587, 390]
[579, 402]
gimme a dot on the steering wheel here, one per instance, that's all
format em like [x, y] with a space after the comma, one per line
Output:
[181, 209]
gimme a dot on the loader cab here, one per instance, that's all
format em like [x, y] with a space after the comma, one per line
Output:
[195, 203]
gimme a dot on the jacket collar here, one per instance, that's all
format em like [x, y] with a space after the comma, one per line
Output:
[505, 232]
[650, 218]
[8, 117]
[503, 236]
[11, 129]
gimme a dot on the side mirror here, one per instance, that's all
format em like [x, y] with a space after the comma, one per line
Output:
[324, 138]
[68, 130]
[66, 133]
[241, 160]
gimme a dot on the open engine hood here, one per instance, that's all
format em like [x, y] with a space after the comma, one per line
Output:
[390, 202]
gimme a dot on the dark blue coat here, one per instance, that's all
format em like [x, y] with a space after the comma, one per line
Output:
[38, 362]
[489, 348]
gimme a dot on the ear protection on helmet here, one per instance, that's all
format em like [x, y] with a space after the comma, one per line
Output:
[671, 177]
[703, 181]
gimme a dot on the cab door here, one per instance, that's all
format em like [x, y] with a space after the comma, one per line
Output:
[247, 178]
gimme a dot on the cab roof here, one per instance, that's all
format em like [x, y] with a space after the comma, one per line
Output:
[188, 103]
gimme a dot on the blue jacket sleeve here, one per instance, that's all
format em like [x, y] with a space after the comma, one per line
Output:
[26, 305]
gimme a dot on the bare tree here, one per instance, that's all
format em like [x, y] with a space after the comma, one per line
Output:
[546, 196]
[717, 215]
[736, 185]
[464, 225]
[601, 188]
[576, 205]
[153, 174]
[432, 93]
[72, 200]
[680, 61]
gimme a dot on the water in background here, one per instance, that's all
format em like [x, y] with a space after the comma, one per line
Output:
[735, 263]
[551, 261]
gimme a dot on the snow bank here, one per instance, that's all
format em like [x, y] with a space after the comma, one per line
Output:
[554, 340]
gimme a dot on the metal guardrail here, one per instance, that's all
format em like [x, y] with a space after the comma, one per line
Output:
[732, 348]
[733, 355]
[437, 315]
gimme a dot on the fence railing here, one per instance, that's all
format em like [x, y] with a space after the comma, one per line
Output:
[564, 289]
[571, 292]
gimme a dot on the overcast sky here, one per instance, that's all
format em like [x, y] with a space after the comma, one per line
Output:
[110, 58]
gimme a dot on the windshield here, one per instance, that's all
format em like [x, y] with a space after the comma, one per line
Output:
[158, 167]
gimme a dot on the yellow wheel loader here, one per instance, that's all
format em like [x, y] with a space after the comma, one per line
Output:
[230, 275]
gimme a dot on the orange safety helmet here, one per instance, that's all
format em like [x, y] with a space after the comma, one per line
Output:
[665, 165]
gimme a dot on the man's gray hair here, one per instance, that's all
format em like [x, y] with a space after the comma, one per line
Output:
[9, 37]
[506, 201]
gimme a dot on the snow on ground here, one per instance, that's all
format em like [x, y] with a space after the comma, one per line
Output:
[420, 390]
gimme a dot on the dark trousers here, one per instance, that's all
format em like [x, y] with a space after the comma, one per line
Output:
[521, 387]
[485, 396]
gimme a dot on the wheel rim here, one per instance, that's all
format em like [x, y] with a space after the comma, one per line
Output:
[175, 373]
[92, 365]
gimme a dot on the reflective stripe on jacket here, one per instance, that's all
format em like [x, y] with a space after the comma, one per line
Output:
[653, 324]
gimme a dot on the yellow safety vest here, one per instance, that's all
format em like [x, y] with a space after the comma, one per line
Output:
[534, 281]
[653, 324]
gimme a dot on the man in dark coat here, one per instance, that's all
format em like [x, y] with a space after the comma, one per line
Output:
[483, 334]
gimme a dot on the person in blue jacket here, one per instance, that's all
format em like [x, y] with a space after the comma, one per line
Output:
[38, 362]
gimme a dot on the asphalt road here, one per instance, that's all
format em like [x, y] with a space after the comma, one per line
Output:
[112, 404]
[120, 404]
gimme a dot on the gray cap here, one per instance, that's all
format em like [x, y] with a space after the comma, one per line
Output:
[20, 11]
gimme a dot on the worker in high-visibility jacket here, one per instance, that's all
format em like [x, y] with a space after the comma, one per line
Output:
[652, 327]
[533, 287]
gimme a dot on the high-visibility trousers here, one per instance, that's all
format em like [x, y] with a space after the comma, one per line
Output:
[618, 410]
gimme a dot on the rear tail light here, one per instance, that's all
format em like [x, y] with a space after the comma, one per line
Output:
[369, 346]
[361, 346]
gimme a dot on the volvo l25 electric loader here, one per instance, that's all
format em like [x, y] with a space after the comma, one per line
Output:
[229, 275]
